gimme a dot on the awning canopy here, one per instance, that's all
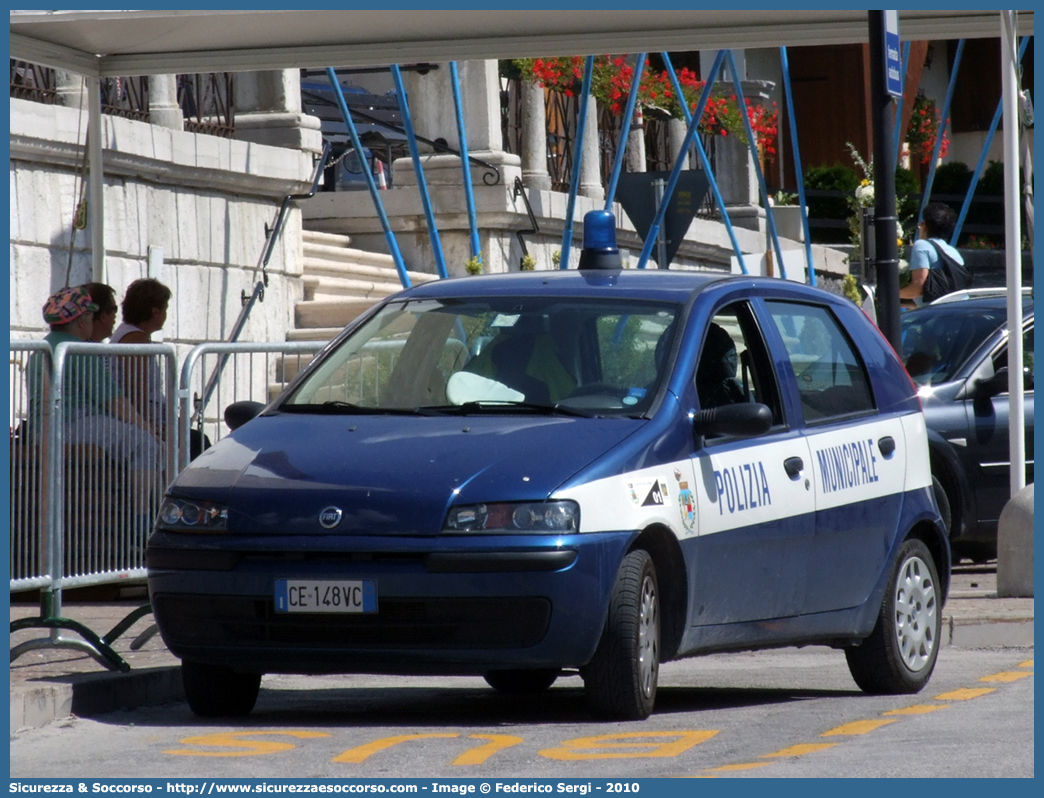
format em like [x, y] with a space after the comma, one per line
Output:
[109, 43]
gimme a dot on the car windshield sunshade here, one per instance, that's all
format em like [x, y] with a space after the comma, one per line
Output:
[502, 354]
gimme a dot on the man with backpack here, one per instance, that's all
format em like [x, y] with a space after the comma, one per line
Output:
[936, 268]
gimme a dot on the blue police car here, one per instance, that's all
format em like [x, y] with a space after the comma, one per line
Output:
[591, 471]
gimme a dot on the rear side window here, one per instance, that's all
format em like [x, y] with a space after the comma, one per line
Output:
[831, 377]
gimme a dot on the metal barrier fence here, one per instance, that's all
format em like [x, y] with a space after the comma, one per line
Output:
[90, 458]
[95, 440]
[249, 371]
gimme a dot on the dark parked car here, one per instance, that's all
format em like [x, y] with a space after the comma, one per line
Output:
[957, 353]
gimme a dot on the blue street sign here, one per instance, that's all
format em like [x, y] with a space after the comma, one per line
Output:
[893, 59]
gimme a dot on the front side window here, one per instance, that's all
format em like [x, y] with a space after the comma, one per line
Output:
[1000, 360]
[831, 377]
[734, 365]
[589, 356]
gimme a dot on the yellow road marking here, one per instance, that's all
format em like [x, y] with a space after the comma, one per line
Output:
[800, 750]
[362, 752]
[1027, 664]
[964, 694]
[479, 754]
[246, 747]
[916, 709]
[1006, 676]
[666, 743]
[856, 727]
[743, 766]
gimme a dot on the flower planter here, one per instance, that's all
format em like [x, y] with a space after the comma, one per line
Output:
[788, 222]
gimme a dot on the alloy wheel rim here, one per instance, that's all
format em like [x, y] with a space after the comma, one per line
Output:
[915, 614]
[648, 636]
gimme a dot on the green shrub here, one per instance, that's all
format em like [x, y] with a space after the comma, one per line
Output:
[830, 178]
[991, 184]
[907, 202]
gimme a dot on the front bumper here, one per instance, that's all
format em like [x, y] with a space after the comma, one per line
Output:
[451, 604]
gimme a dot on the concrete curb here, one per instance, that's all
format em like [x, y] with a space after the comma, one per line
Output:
[36, 703]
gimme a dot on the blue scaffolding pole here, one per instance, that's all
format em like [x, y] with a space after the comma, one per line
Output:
[625, 130]
[752, 144]
[798, 173]
[672, 181]
[389, 235]
[578, 148]
[939, 134]
[418, 169]
[705, 162]
[982, 157]
[469, 195]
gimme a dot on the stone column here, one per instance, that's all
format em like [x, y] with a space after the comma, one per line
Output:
[734, 168]
[676, 130]
[71, 89]
[534, 138]
[163, 102]
[590, 168]
[434, 117]
[268, 111]
[634, 158]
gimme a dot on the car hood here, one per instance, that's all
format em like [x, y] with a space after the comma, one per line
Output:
[389, 475]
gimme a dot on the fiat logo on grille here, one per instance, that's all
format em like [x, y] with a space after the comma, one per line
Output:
[329, 517]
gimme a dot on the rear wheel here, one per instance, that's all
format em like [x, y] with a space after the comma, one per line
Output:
[216, 691]
[620, 681]
[899, 655]
[521, 682]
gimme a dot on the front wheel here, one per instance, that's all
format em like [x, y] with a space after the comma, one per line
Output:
[899, 655]
[620, 681]
[216, 691]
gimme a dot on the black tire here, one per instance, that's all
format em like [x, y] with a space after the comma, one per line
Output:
[620, 680]
[216, 691]
[522, 682]
[899, 655]
[944, 505]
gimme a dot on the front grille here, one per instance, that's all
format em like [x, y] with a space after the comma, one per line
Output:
[432, 623]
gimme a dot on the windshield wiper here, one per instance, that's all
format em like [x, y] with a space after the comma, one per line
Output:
[499, 406]
[335, 407]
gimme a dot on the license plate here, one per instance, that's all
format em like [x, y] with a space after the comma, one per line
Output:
[337, 596]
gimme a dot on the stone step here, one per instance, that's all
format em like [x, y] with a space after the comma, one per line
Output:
[313, 334]
[361, 257]
[329, 288]
[325, 239]
[328, 313]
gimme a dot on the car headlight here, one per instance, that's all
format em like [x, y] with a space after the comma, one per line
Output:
[517, 517]
[192, 515]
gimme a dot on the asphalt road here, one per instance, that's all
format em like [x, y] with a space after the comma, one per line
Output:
[788, 713]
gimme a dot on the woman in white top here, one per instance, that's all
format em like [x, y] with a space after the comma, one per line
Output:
[144, 312]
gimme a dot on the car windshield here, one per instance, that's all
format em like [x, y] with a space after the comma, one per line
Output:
[461, 356]
[939, 339]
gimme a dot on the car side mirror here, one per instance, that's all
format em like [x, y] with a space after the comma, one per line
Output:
[992, 386]
[744, 418]
[239, 413]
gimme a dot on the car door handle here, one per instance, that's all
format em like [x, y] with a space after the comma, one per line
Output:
[793, 466]
[886, 445]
